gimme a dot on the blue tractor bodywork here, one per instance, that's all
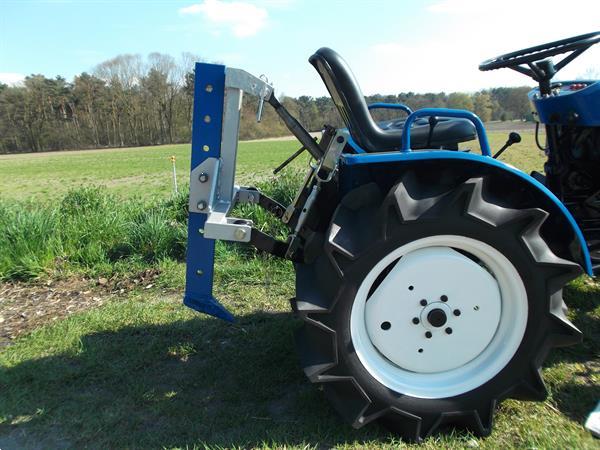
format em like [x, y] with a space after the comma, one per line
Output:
[572, 103]
[209, 101]
[409, 249]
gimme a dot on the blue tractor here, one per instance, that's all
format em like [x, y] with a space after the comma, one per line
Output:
[429, 279]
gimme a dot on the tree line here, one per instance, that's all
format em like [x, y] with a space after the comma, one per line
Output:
[134, 101]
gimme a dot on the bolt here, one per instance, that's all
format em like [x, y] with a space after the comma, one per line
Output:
[386, 325]
[240, 233]
[202, 205]
[448, 330]
[199, 272]
[209, 88]
[423, 302]
[428, 335]
[456, 312]
[340, 139]
[203, 177]
[444, 298]
[207, 119]
[201, 230]
[415, 320]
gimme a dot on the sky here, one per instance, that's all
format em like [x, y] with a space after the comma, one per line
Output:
[392, 45]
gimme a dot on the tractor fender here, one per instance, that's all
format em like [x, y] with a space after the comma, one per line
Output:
[519, 189]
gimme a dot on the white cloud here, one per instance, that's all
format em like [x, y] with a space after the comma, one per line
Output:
[242, 19]
[280, 4]
[459, 6]
[11, 78]
[445, 57]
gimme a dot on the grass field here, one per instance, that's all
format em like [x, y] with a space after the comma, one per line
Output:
[146, 171]
[142, 371]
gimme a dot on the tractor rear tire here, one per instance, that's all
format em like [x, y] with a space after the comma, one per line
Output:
[426, 309]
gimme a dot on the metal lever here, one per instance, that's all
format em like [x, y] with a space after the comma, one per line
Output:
[261, 99]
[259, 111]
[513, 138]
[284, 164]
[433, 121]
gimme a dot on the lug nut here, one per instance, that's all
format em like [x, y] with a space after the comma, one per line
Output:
[444, 298]
[415, 320]
[423, 302]
[386, 325]
[456, 312]
[428, 335]
[448, 330]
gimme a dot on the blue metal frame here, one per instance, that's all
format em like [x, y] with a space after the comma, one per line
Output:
[445, 112]
[206, 143]
[381, 105]
[392, 157]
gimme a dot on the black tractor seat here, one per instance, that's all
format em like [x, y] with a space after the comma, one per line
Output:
[383, 136]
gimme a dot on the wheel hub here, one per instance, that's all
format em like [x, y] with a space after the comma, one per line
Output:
[446, 320]
[437, 317]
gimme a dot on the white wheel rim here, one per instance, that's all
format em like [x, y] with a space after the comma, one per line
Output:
[425, 359]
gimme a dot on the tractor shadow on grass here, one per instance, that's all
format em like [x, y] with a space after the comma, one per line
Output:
[198, 382]
[194, 382]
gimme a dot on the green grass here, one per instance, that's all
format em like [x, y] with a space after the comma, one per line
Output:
[143, 171]
[90, 231]
[147, 172]
[146, 372]
[94, 232]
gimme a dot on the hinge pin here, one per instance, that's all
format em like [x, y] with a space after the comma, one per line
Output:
[240, 233]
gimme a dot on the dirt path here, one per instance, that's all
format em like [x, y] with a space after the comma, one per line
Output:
[26, 306]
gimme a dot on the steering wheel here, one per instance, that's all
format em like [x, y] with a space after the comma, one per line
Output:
[514, 60]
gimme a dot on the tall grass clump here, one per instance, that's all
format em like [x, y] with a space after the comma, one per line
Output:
[91, 222]
[28, 244]
[92, 231]
[88, 230]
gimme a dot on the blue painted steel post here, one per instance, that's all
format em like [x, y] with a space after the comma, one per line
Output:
[209, 95]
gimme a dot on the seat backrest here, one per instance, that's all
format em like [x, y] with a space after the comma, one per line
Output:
[350, 102]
